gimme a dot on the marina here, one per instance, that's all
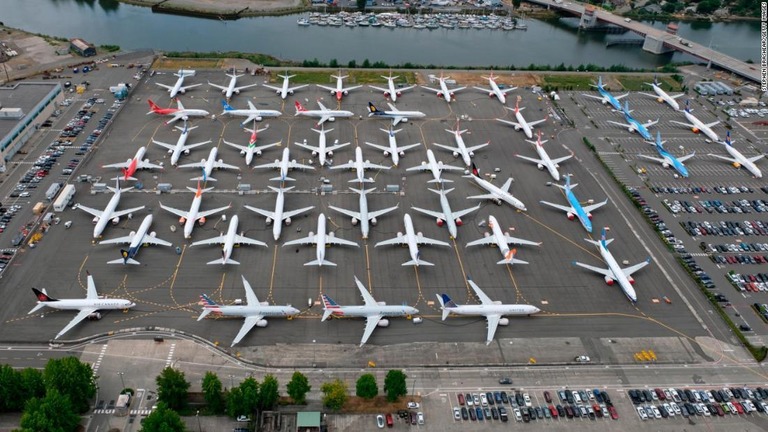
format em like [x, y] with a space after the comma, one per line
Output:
[393, 20]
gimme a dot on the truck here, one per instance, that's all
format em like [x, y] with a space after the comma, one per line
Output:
[65, 197]
[52, 191]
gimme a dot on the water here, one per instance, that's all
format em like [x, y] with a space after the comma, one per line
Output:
[133, 27]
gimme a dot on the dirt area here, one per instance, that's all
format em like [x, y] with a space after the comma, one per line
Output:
[34, 51]
[519, 79]
[177, 63]
[218, 6]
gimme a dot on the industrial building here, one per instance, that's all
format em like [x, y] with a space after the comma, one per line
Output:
[82, 47]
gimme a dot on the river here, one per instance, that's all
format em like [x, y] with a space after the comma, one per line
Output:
[134, 27]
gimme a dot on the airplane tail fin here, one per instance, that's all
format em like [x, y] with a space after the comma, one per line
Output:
[446, 304]
[728, 138]
[282, 179]
[299, 108]
[153, 106]
[223, 261]
[320, 263]
[372, 108]
[441, 181]
[687, 106]
[417, 262]
[475, 171]
[42, 296]
[509, 258]
[441, 191]
[208, 306]
[362, 191]
[365, 180]
[126, 259]
[226, 106]
[329, 307]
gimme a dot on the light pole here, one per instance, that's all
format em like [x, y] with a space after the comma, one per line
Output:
[314, 364]
[197, 415]
[121, 379]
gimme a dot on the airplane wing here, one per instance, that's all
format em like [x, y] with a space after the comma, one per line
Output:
[515, 240]
[402, 89]
[509, 122]
[367, 297]
[294, 88]
[682, 124]
[245, 240]
[348, 165]
[659, 160]
[346, 89]
[629, 270]
[308, 240]
[653, 122]
[148, 165]
[593, 207]
[708, 124]
[377, 213]
[335, 147]
[380, 147]
[483, 241]
[149, 239]
[489, 196]
[424, 167]
[530, 159]
[273, 87]
[83, 314]
[446, 167]
[379, 88]
[447, 147]
[268, 165]
[184, 88]
[420, 239]
[248, 324]
[602, 271]
[594, 97]
[482, 89]
[195, 145]
[214, 240]
[371, 322]
[397, 119]
[117, 165]
[477, 147]
[237, 146]
[308, 147]
[368, 165]
[292, 213]
[655, 96]
[399, 240]
[686, 157]
[624, 124]
[507, 90]
[562, 159]
[122, 213]
[296, 165]
[725, 158]
[567, 209]
[350, 213]
[92, 211]
[193, 165]
[167, 87]
[456, 89]
[179, 213]
[333, 89]
[237, 89]
[753, 159]
[207, 213]
[222, 165]
[484, 299]
[324, 118]
[162, 144]
[126, 239]
[505, 187]
[434, 214]
[493, 323]
[331, 240]
[265, 213]
[534, 123]
[91, 293]
[217, 86]
[431, 89]
[407, 147]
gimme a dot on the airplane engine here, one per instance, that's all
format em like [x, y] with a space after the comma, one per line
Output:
[402, 153]
[186, 152]
[182, 220]
[695, 130]
[589, 216]
[736, 165]
[455, 154]
[153, 234]
[293, 161]
[355, 221]
[439, 95]
[386, 153]
[630, 129]
[486, 234]
[419, 234]
[471, 154]
[665, 164]
[440, 222]
[660, 100]
[367, 161]
[170, 151]
[290, 92]
[224, 92]
[132, 233]
[452, 96]
[269, 221]
[381, 303]
[497, 201]
[333, 92]
[517, 128]
[459, 222]
[346, 92]
[287, 221]
[351, 162]
[540, 167]
[604, 101]
[261, 323]
[242, 152]
[237, 91]
[330, 153]
[331, 119]
[314, 153]
[491, 94]
[278, 92]
[609, 280]
[182, 91]
[259, 118]
[570, 216]
[146, 161]
[201, 221]
[94, 316]
[398, 93]
[383, 323]
[423, 163]
[631, 280]
[221, 161]
[330, 234]
[504, 321]
[374, 221]
[399, 234]
[95, 220]
[257, 152]
[115, 220]
[386, 95]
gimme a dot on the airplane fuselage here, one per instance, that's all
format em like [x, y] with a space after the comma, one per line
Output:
[608, 97]
[497, 92]
[462, 148]
[393, 148]
[499, 194]
[495, 309]
[638, 127]
[230, 90]
[284, 164]
[229, 242]
[743, 161]
[672, 161]
[499, 238]
[177, 87]
[101, 304]
[618, 274]
[252, 310]
[133, 165]
[445, 92]
[392, 91]
[366, 311]
[410, 237]
[277, 224]
[176, 154]
[523, 124]
[138, 238]
[321, 154]
[194, 209]
[580, 213]
[706, 130]
[210, 161]
[320, 237]
[364, 222]
[106, 215]
[665, 97]
[434, 167]
[359, 165]
[551, 167]
[448, 213]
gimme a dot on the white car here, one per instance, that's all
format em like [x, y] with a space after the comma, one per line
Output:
[483, 400]
[518, 416]
[641, 413]
[456, 413]
[656, 412]
[527, 399]
[420, 416]
[413, 405]
[676, 408]
[380, 421]
[704, 409]
[476, 399]
[576, 397]
[669, 409]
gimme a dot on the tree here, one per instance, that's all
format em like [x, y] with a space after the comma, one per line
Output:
[9, 389]
[334, 394]
[53, 413]
[269, 393]
[31, 384]
[707, 6]
[163, 419]
[394, 384]
[243, 399]
[212, 393]
[73, 379]
[361, 4]
[172, 388]
[366, 386]
[298, 388]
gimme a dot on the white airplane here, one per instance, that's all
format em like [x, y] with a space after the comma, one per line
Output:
[253, 311]
[633, 125]
[229, 240]
[322, 150]
[135, 240]
[502, 240]
[250, 114]
[130, 166]
[446, 216]
[323, 113]
[285, 89]
[738, 159]
[575, 209]
[208, 165]
[360, 165]
[363, 217]
[181, 144]
[697, 125]
[320, 240]
[667, 159]
[284, 165]
[413, 240]
[544, 160]
[605, 96]
[521, 123]
[495, 91]
[493, 311]
[194, 214]
[231, 89]
[435, 167]
[279, 215]
[102, 217]
[391, 92]
[444, 92]
[374, 312]
[179, 113]
[495, 193]
[395, 114]
[339, 91]
[87, 307]
[179, 87]
[614, 272]
[662, 96]
[252, 149]
[461, 149]
[392, 149]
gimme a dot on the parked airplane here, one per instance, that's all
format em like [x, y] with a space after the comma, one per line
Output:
[614, 272]
[521, 123]
[502, 240]
[662, 96]
[495, 91]
[575, 209]
[491, 310]
[360, 165]
[285, 89]
[738, 159]
[339, 91]
[231, 89]
[135, 240]
[605, 96]
[413, 240]
[697, 125]
[208, 165]
[363, 217]
[444, 92]
[446, 216]
[284, 165]
[391, 92]
[86, 308]
[102, 217]
[252, 149]
[461, 149]
[194, 214]
[179, 113]
[495, 193]
[322, 150]
[667, 159]
[179, 87]
[253, 311]
[321, 240]
[544, 160]
[395, 114]
[633, 125]
[392, 149]
[229, 240]
[181, 144]
[130, 166]
[279, 215]
[323, 113]
[374, 312]
[435, 167]
[250, 114]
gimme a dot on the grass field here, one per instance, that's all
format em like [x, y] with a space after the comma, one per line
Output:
[568, 82]
[356, 77]
[180, 63]
[637, 83]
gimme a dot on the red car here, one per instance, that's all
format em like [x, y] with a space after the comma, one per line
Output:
[553, 411]
[461, 399]
[614, 414]
[390, 420]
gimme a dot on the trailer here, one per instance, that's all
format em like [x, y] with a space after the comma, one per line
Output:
[65, 197]
[52, 191]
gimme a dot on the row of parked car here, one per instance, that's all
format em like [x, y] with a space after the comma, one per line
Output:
[702, 189]
[739, 259]
[725, 228]
[716, 206]
[103, 122]
[671, 402]
[749, 282]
